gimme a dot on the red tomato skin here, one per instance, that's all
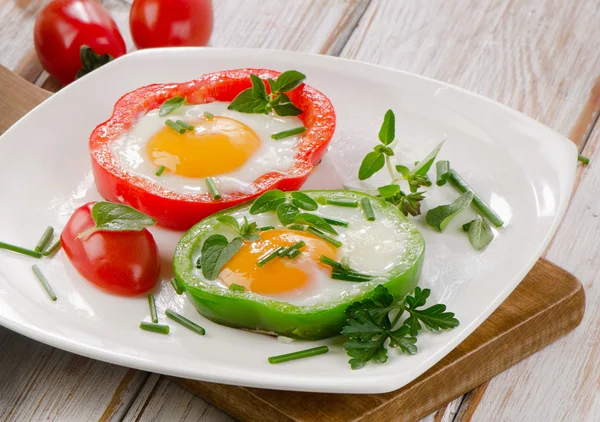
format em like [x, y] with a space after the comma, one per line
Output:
[170, 23]
[63, 26]
[181, 211]
[124, 263]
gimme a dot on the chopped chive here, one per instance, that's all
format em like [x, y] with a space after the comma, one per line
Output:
[323, 236]
[583, 159]
[344, 263]
[298, 227]
[289, 249]
[299, 355]
[342, 203]
[367, 209]
[179, 129]
[236, 287]
[19, 249]
[335, 222]
[152, 306]
[160, 171]
[208, 116]
[50, 250]
[442, 168]
[480, 204]
[43, 242]
[176, 286]
[185, 125]
[332, 263]
[269, 256]
[338, 275]
[155, 328]
[185, 322]
[293, 254]
[212, 187]
[287, 133]
[342, 269]
[265, 228]
[44, 281]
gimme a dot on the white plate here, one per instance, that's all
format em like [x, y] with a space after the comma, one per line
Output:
[523, 168]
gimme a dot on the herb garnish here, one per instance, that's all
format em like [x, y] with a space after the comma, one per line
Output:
[179, 129]
[287, 133]
[50, 250]
[208, 116]
[113, 217]
[583, 159]
[212, 187]
[152, 307]
[170, 106]
[480, 232]
[369, 325]
[367, 209]
[299, 355]
[155, 328]
[43, 242]
[247, 230]
[180, 319]
[160, 171]
[269, 256]
[302, 200]
[256, 99]
[268, 201]
[176, 286]
[216, 251]
[343, 272]
[439, 217]
[44, 281]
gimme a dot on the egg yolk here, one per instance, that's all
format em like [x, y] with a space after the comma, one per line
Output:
[217, 145]
[280, 274]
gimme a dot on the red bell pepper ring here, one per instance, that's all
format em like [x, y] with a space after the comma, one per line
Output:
[180, 211]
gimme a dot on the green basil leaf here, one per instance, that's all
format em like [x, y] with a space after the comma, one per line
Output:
[229, 220]
[113, 217]
[216, 252]
[371, 164]
[315, 221]
[268, 201]
[480, 233]
[389, 191]
[439, 217]
[245, 102]
[287, 109]
[286, 213]
[289, 80]
[423, 167]
[258, 88]
[303, 201]
[170, 106]
[443, 172]
[272, 85]
[387, 133]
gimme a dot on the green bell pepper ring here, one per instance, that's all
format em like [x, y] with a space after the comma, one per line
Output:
[250, 311]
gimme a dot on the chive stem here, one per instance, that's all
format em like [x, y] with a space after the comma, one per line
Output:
[179, 129]
[293, 254]
[287, 133]
[190, 325]
[342, 203]
[323, 236]
[155, 328]
[185, 125]
[480, 204]
[152, 306]
[442, 168]
[236, 287]
[212, 187]
[331, 262]
[299, 355]
[335, 222]
[266, 228]
[176, 286]
[42, 278]
[19, 249]
[208, 116]
[50, 250]
[269, 256]
[338, 275]
[43, 242]
[160, 171]
[289, 249]
[585, 160]
[367, 209]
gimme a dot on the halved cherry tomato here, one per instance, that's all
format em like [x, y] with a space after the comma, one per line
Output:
[63, 26]
[181, 211]
[125, 263]
[170, 23]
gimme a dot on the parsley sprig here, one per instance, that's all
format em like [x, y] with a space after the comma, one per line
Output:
[256, 100]
[408, 202]
[371, 329]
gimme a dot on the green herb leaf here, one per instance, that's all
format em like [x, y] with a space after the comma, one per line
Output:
[315, 221]
[249, 230]
[371, 164]
[246, 102]
[216, 252]
[362, 352]
[433, 318]
[424, 165]
[287, 213]
[289, 80]
[170, 106]
[287, 109]
[268, 201]
[229, 220]
[90, 60]
[258, 88]
[411, 203]
[113, 217]
[236, 287]
[402, 339]
[387, 133]
[480, 233]
[439, 217]
[384, 150]
[404, 171]
[272, 85]
[389, 191]
[303, 201]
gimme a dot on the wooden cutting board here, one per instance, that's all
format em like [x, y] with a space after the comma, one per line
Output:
[547, 304]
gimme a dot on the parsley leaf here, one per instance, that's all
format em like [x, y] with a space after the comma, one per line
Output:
[216, 251]
[362, 351]
[433, 318]
[439, 217]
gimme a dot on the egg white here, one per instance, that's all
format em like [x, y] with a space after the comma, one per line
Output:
[130, 149]
[371, 247]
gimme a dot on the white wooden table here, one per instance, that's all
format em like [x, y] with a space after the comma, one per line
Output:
[541, 57]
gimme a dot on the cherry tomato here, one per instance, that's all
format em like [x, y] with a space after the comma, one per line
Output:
[63, 26]
[125, 263]
[170, 23]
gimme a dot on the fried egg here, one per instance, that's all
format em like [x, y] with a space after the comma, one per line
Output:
[232, 148]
